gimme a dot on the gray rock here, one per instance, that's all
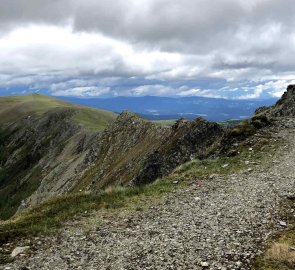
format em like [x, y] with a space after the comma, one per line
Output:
[283, 223]
[204, 264]
[19, 250]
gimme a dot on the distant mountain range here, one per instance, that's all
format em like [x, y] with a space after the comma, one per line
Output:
[166, 108]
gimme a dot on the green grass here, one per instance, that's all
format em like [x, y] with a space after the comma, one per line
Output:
[11, 197]
[231, 122]
[168, 123]
[48, 216]
[94, 119]
[14, 107]
[228, 165]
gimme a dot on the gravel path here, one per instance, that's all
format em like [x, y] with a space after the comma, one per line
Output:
[217, 226]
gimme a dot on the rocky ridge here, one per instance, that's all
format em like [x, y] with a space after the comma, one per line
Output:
[283, 107]
[54, 155]
[44, 156]
[134, 151]
[187, 141]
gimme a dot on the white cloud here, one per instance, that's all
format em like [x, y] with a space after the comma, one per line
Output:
[157, 90]
[256, 94]
[83, 91]
[274, 88]
[37, 51]
[95, 44]
[199, 92]
[164, 90]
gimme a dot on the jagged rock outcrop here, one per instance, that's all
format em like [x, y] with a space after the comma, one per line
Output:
[119, 152]
[135, 151]
[187, 140]
[284, 107]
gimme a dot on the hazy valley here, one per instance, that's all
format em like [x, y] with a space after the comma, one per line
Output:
[169, 108]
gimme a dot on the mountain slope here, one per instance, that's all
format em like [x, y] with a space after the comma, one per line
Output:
[134, 151]
[42, 141]
[14, 107]
[217, 222]
[218, 219]
[49, 147]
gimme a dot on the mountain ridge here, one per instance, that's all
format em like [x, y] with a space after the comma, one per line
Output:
[53, 153]
[129, 150]
[214, 211]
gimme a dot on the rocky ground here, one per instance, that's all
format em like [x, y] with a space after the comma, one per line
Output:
[217, 223]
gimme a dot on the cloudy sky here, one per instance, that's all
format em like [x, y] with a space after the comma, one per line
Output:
[223, 48]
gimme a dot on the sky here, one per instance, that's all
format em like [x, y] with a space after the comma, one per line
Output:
[233, 49]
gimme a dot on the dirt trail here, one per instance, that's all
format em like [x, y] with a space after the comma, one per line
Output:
[218, 226]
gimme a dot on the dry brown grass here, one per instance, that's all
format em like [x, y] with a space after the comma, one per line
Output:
[281, 253]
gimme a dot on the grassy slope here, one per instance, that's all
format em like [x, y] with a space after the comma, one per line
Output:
[167, 123]
[13, 107]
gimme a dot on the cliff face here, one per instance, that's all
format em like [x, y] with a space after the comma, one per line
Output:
[186, 140]
[286, 105]
[133, 151]
[119, 153]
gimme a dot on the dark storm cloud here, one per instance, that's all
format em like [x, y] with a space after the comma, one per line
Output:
[187, 26]
[16, 13]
